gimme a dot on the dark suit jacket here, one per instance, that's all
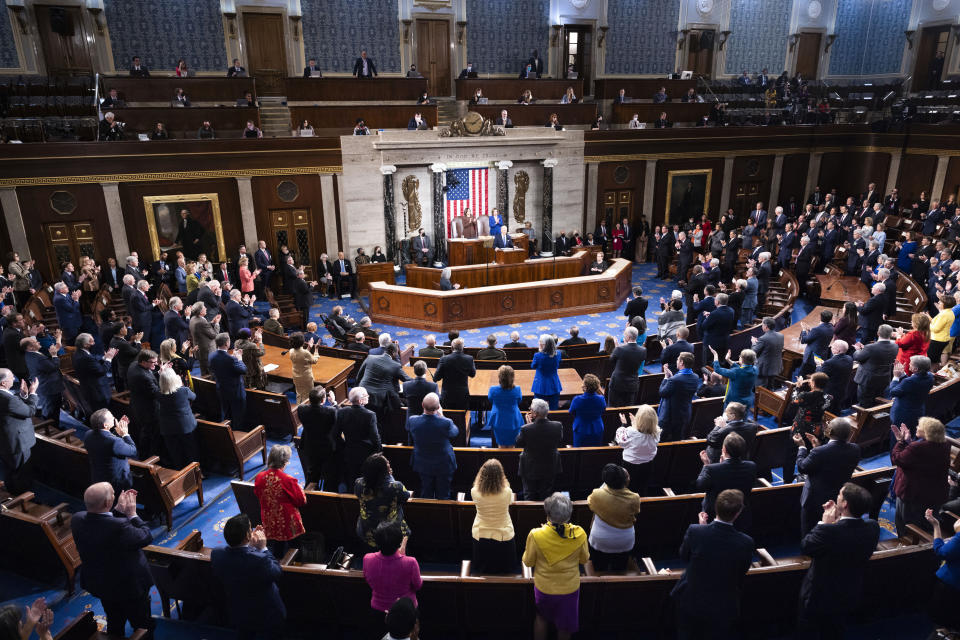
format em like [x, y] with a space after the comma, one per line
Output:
[817, 341]
[176, 413]
[827, 467]
[17, 435]
[719, 557]
[728, 474]
[414, 392]
[746, 429]
[380, 375]
[250, 578]
[454, 369]
[302, 295]
[769, 350]
[144, 392]
[539, 441]
[871, 313]
[111, 548]
[839, 554]
[636, 307]
[68, 314]
[46, 370]
[432, 451]
[500, 243]
[717, 327]
[876, 362]
[210, 301]
[319, 438]
[672, 351]
[91, 372]
[108, 455]
[229, 373]
[838, 369]
[626, 360]
[142, 72]
[358, 426]
[358, 68]
[176, 326]
[142, 311]
[308, 72]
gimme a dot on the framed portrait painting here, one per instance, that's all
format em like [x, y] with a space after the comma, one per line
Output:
[188, 223]
[688, 195]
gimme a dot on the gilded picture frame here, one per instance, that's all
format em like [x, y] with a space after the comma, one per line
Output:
[163, 216]
[688, 194]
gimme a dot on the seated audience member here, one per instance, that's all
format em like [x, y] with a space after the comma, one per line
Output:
[417, 123]
[733, 471]
[138, 70]
[554, 122]
[712, 387]
[514, 341]
[569, 97]
[431, 350]
[598, 125]
[504, 120]
[539, 461]
[305, 130]
[491, 352]
[251, 131]
[662, 122]
[587, 410]
[635, 122]
[614, 508]
[318, 442]
[639, 441]
[360, 129]
[16, 624]
[206, 132]
[250, 576]
[574, 338]
[312, 70]
[181, 70]
[621, 97]
[381, 501]
[110, 129]
[661, 96]
[281, 497]
[180, 98]
[733, 420]
[470, 71]
[390, 573]
[159, 132]
[432, 455]
[526, 98]
[494, 547]
[235, 70]
[247, 100]
[109, 449]
[413, 73]
[945, 607]
[273, 322]
[504, 416]
[425, 98]
[826, 468]
[839, 548]
[359, 343]
[555, 552]
[112, 101]
[176, 421]
[922, 465]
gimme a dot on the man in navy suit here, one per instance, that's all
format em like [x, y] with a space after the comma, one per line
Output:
[707, 596]
[91, 372]
[733, 420]
[502, 240]
[229, 371]
[67, 306]
[676, 393]
[909, 389]
[876, 365]
[785, 242]
[141, 309]
[249, 574]
[45, 367]
[176, 325]
[871, 312]
[265, 263]
[839, 368]
[414, 391]
[238, 313]
[827, 467]
[110, 544]
[109, 454]
[673, 350]
[759, 218]
[144, 393]
[16, 430]
[817, 341]
[433, 455]
[839, 548]
[779, 220]
[717, 325]
[731, 472]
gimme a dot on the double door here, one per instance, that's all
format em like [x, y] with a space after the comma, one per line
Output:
[292, 228]
[67, 242]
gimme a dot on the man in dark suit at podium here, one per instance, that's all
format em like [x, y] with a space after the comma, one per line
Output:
[503, 239]
[138, 70]
[312, 70]
[364, 66]
[469, 72]
[504, 120]
[235, 70]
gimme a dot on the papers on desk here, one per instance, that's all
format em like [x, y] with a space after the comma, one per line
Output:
[267, 368]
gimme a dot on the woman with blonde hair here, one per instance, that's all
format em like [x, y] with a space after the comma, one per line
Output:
[494, 547]
[922, 465]
[569, 97]
[168, 353]
[176, 420]
[247, 277]
[916, 341]
[303, 362]
[940, 340]
[504, 417]
[639, 441]
[193, 280]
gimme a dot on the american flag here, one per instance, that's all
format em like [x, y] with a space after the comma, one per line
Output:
[471, 191]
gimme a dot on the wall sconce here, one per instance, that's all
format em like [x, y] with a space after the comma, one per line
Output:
[96, 12]
[461, 30]
[830, 38]
[723, 38]
[555, 35]
[909, 35]
[296, 26]
[18, 11]
[793, 39]
[683, 38]
[406, 29]
[231, 24]
[603, 36]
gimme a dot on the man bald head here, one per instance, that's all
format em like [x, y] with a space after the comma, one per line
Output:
[431, 403]
[98, 498]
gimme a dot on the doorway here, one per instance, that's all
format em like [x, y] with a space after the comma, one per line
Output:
[433, 55]
[266, 57]
[67, 242]
[808, 55]
[925, 74]
[617, 205]
[578, 52]
[64, 40]
[746, 196]
[700, 52]
[293, 228]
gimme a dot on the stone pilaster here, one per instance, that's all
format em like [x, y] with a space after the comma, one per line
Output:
[503, 191]
[14, 221]
[247, 216]
[118, 230]
[546, 234]
[439, 215]
[389, 214]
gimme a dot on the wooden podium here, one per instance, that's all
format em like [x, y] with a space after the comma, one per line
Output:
[467, 251]
[509, 256]
[373, 272]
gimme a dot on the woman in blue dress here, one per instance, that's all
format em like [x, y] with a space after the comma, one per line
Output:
[546, 381]
[908, 248]
[504, 417]
[587, 410]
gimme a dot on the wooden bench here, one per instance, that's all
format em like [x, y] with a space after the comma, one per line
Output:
[85, 627]
[230, 448]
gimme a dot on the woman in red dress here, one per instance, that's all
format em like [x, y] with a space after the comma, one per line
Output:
[707, 227]
[280, 500]
[916, 341]
[617, 241]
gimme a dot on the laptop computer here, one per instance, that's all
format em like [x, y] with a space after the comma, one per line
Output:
[483, 101]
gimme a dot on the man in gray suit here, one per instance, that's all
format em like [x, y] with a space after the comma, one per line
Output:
[381, 376]
[876, 366]
[16, 431]
[202, 334]
[422, 248]
[769, 350]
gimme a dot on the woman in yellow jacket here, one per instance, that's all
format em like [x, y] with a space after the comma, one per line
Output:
[555, 552]
[303, 362]
[940, 340]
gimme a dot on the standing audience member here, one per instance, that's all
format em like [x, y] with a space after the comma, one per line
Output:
[381, 501]
[504, 416]
[92, 372]
[876, 366]
[453, 370]
[909, 389]
[539, 461]
[922, 465]
[826, 468]
[432, 455]
[732, 472]
[250, 346]
[676, 394]
[945, 605]
[546, 381]
[178, 425]
[318, 441]
[627, 361]
[555, 551]
[733, 420]
[390, 573]
[811, 403]
[17, 436]
[639, 441]
[110, 543]
[916, 342]
[356, 427]
[494, 547]
[741, 379]
[940, 338]
[280, 500]
[587, 410]
[229, 372]
[838, 369]
[769, 350]
[109, 453]
[250, 576]
[45, 367]
[615, 508]
[203, 334]
[302, 362]
[17, 625]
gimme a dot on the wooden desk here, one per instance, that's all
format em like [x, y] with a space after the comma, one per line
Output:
[327, 372]
[510, 89]
[509, 256]
[836, 288]
[384, 116]
[471, 250]
[570, 381]
[354, 89]
[485, 275]
[650, 112]
[496, 305]
[538, 114]
[372, 272]
[183, 122]
[640, 88]
[161, 89]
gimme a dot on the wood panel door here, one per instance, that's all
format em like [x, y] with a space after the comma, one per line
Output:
[63, 39]
[700, 53]
[808, 55]
[266, 57]
[746, 196]
[932, 40]
[578, 50]
[617, 205]
[293, 228]
[66, 242]
[433, 55]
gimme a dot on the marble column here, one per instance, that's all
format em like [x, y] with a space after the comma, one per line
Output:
[14, 221]
[439, 216]
[389, 213]
[649, 184]
[593, 179]
[546, 234]
[774, 182]
[813, 173]
[503, 191]
[727, 183]
[118, 230]
[248, 218]
[329, 214]
[894, 173]
[939, 178]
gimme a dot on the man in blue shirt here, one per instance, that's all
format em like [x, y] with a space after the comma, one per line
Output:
[676, 393]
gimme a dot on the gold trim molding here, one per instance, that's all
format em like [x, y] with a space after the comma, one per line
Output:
[683, 155]
[166, 176]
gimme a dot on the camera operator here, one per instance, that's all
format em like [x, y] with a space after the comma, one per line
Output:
[110, 129]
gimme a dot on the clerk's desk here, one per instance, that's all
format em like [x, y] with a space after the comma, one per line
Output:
[480, 250]
[531, 299]
[490, 274]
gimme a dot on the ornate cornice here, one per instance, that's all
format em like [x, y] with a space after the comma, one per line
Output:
[161, 176]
